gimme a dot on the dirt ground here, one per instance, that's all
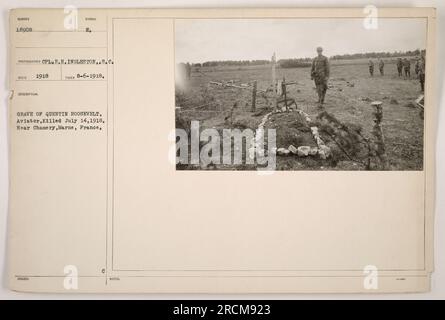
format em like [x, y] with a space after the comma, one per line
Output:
[351, 91]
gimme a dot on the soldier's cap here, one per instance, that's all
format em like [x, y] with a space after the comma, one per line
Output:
[319, 49]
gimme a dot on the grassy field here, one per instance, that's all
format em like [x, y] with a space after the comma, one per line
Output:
[351, 89]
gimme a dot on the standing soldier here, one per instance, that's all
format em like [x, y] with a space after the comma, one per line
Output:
[320, 75]
[399, 66]
[407, 67]
[381, 67]
[371, 67]
[417, 66]
[422, 72]
[188, 70]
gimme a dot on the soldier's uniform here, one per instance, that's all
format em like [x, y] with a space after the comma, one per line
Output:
[417, 66]
[399, 66]
[188, 70]
[422, 73]
[320, 73]
[407, 67]
[371, 68]
[381, 67]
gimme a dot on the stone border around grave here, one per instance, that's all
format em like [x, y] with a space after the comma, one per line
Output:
[322, 150]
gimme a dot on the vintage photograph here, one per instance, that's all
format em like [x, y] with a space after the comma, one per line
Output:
[300, 94]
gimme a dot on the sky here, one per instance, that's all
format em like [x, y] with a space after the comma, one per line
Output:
[200, 40]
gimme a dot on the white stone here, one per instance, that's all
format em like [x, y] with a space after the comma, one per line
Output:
[319, 141]
[313, 151]
[314, 131]
[292, 149]
[303, 151]
[324, 152]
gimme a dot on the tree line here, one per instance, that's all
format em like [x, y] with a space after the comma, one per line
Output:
[306, 62]
[373, 55]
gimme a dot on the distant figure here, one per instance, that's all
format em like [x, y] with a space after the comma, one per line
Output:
[320, 74]
[371, 68]
[188, 70]
[381, 67]
[422, 72]
[417, 66]
[399, 66]
[407, 68]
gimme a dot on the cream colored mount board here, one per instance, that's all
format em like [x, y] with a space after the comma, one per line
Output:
[342, 203]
